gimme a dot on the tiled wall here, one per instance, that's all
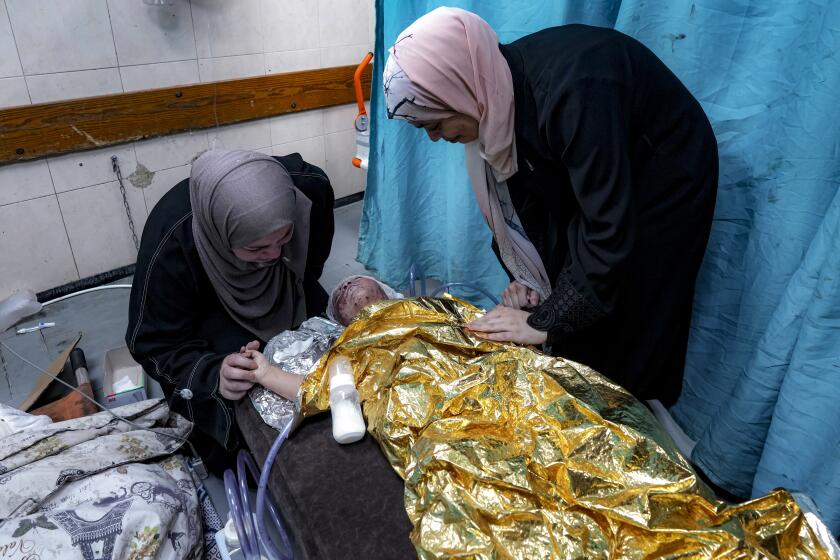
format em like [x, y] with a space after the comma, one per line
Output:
[63, 218]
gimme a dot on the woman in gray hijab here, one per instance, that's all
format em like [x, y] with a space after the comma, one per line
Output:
[229, 258]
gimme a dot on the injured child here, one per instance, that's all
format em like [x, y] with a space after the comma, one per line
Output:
[291, 355]
[354, 294]
[509, 453]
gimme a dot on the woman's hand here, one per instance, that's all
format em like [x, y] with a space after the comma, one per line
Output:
[504, 324]
[517, 296]
[236, 376]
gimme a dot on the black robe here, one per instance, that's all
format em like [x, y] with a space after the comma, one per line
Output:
[178, 329]
[616, 188]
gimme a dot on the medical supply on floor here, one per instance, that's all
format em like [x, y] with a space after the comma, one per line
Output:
[38, 327]
[17, 306]
[124, 381]
[227, 542]
[196, 461]
[348, 424]
[231, 538]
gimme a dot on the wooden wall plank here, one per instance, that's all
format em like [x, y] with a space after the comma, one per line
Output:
[35, 131]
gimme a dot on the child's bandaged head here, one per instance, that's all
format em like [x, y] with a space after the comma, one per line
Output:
[355, 293]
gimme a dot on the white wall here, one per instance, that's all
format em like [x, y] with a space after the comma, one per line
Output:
[62, 218]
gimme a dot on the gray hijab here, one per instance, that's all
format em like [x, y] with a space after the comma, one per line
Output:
[238, 197]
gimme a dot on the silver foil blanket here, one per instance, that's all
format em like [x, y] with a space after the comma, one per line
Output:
[296, 352]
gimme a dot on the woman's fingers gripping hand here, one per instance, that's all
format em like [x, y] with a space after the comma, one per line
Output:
[236, 376]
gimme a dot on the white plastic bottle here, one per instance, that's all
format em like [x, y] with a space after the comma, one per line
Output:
[348, 424]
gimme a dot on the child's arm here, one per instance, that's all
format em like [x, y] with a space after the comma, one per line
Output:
[273, 378]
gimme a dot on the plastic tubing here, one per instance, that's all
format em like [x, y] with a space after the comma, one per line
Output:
[237, 514]
[252, 541]
[411, 276]
[80, 292]
[250, 534]
[468, 286]
[265, 538]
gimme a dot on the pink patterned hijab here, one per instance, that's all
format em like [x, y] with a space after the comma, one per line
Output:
[449, 62]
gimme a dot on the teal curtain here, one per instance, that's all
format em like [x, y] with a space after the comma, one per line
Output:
[762, 382]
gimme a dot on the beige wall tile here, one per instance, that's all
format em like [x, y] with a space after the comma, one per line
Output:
[343, 56]
[310, 149]
[83, 169]
[9, 61]
[24, 181]
[225, 28]
[170, 151]
[290, 25]
[44, 88]
[340, 118]
[231, 67]
[146, 34]
[62, 36]
[243, 136]
[13, 92]
[343, 22]
[340, 149]
[98, 228]
[164, 74]
[292, 61]
[162, 182]
[296, 126]
[36, 254]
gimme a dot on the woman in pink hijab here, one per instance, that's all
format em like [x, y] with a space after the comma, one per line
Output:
[596, 171]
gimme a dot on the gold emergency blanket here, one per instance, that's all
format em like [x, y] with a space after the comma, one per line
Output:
[509, 453]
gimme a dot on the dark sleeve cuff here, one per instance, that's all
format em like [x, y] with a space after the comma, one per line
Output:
[566, 310]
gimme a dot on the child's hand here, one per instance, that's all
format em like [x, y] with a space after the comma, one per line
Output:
[272, 377]
[264, 368]
[253, 345]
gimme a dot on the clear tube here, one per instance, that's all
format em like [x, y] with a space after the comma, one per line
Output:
[262, 497]
[250, 525]
[469, 287]
[237, 513]
[250, 535]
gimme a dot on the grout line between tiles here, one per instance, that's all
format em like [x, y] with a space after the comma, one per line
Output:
[195, 37]
[28, 199]
[17, 50]
[64, 225]
[114, 42]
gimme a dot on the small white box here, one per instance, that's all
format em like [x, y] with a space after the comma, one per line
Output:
[124, 381]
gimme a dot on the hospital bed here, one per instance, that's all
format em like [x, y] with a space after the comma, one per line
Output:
[338, 501]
